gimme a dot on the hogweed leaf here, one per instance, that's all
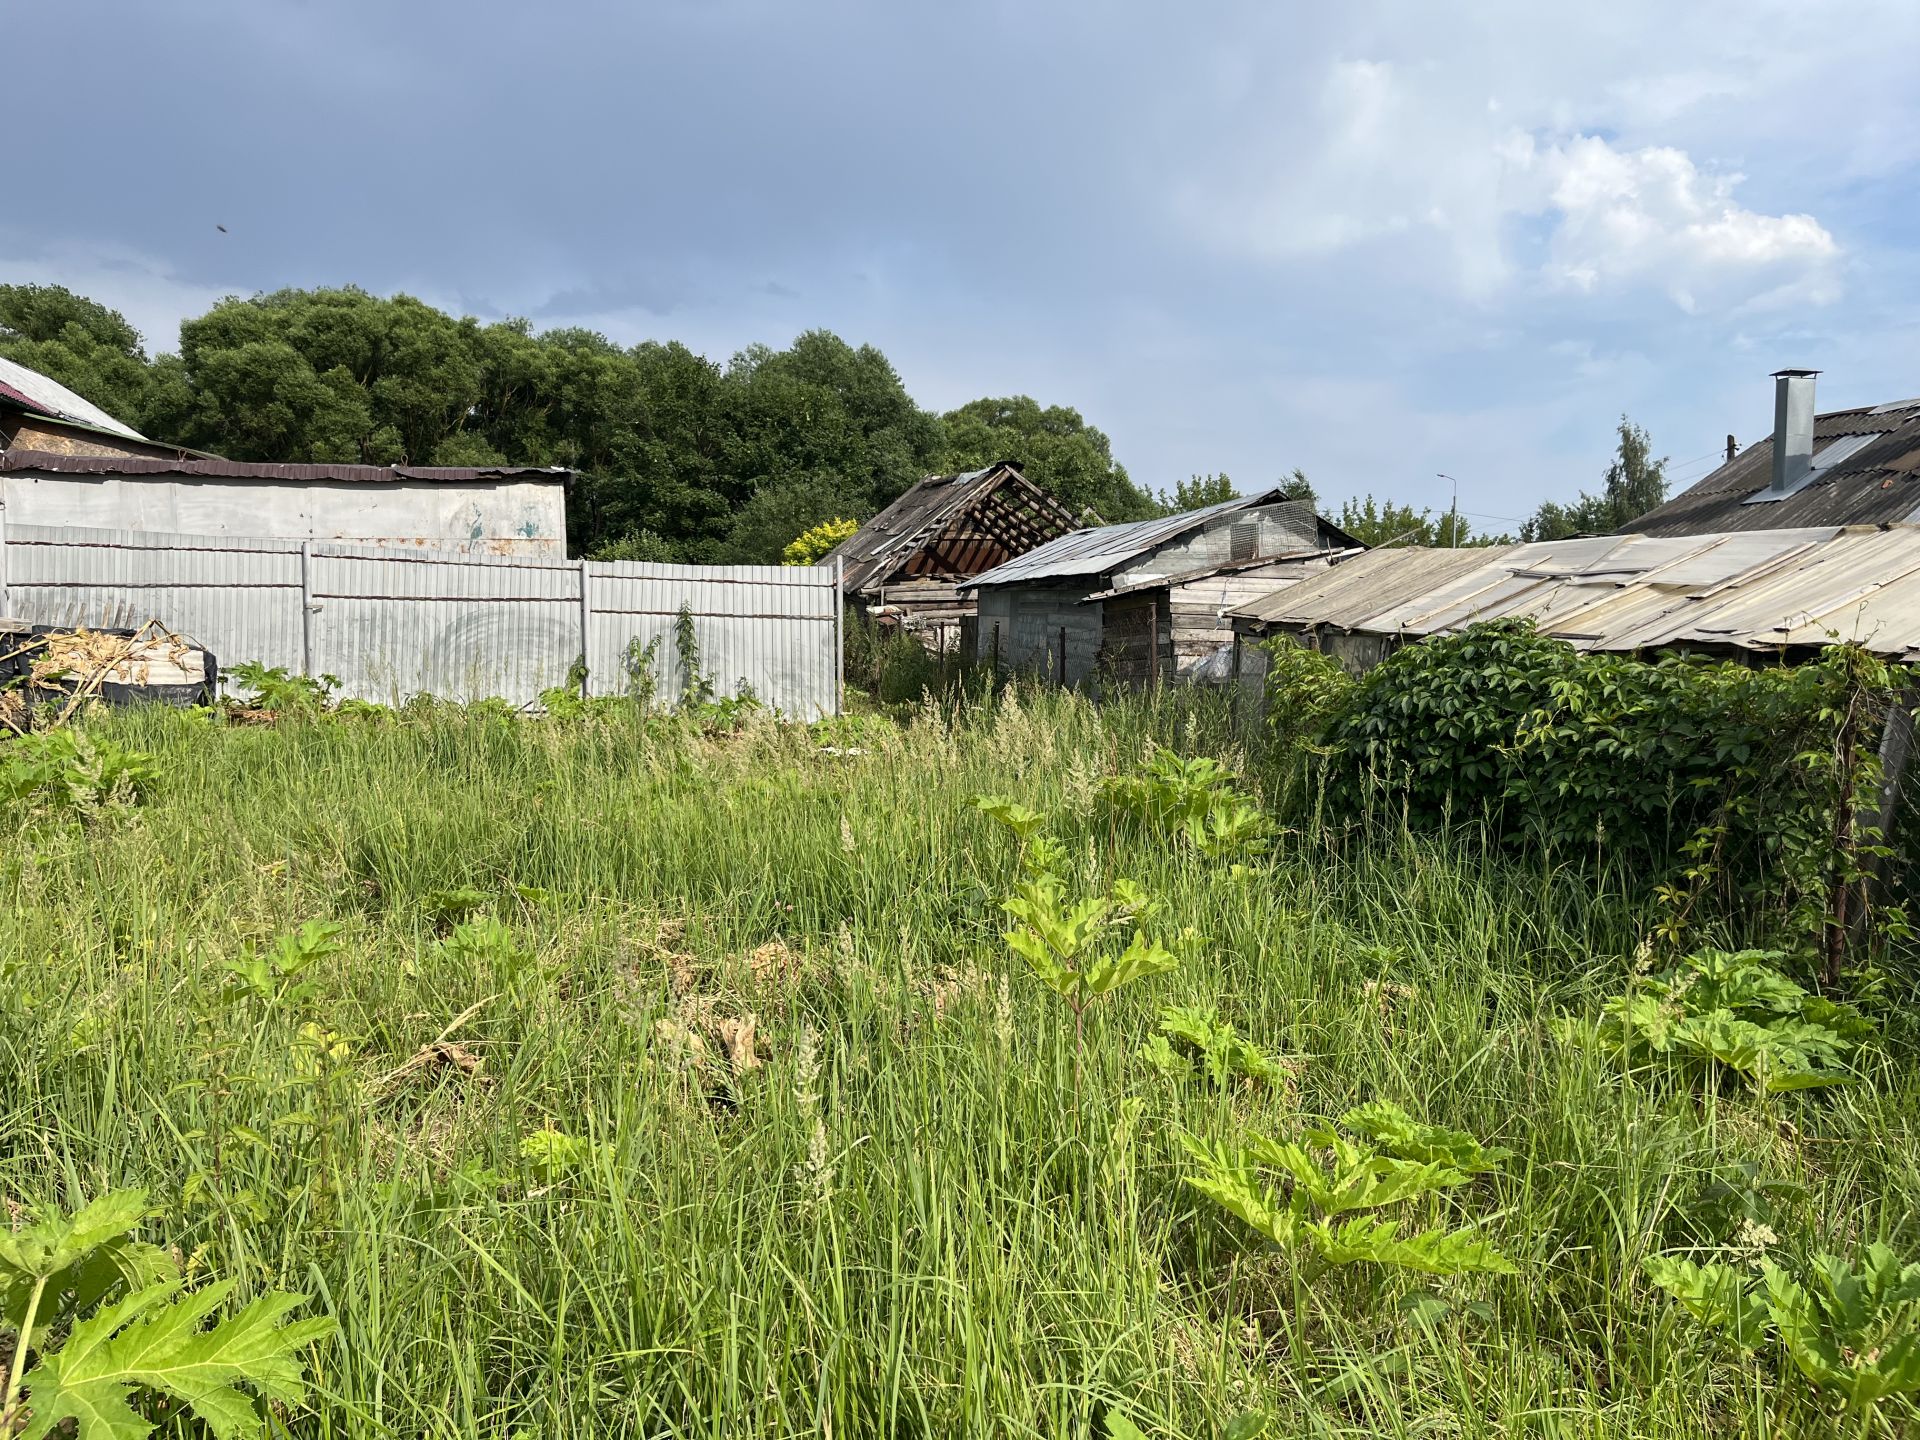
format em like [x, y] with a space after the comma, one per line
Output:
[1010, 813]
[314, 940]
[56, 1241]
[1718, 1296]
[1391, 1128]
[153, 1340]
[1228, 1180]
[1141, 958]
[1039, 955]
[1433, 1252]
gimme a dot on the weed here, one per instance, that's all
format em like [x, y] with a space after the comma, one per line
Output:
[1193, 1039]
[1196, 799]
[1412, 1160]
[272, 687]
[1079, 948]
[1733, 1011]
[1851, 1331]
[69, 769]
[57, 1276]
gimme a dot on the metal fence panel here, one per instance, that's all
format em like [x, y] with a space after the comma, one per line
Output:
[239, 598]
[770, 629]
[390, 624]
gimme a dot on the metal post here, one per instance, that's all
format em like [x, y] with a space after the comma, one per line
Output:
[839, 637]
[1153, 646]
[306, 607]
[4, 600]
[586, 631]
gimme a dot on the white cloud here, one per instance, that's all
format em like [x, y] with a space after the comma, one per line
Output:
[1499, 183]
[1625, 217]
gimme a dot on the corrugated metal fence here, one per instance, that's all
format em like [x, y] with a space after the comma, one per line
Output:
[393, 623]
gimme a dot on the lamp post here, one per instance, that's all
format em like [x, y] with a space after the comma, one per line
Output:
[1453, 513]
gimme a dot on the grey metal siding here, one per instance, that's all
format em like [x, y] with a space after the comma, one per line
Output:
[391, 623]
[496, 517]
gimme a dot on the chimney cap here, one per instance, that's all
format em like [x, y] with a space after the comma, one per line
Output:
[1792, 373]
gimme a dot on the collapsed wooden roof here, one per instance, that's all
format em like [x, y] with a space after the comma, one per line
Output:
[948, 527]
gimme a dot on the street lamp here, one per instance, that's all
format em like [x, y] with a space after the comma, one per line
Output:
[1453, 512]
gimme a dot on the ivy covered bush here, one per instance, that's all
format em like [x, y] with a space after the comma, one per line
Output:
[1735, 770]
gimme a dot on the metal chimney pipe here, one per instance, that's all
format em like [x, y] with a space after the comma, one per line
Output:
[1792, 429]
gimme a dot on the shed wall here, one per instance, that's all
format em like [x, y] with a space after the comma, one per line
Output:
[1032, 623]
[1264, 530]
[516, 517]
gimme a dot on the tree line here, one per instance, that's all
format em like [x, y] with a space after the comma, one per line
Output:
[681, 458]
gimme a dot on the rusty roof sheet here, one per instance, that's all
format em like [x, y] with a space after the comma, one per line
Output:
[16, 461]
[934, 510]
[1878, 483]
[50, 397]
[1751, 590]
[1105, 548]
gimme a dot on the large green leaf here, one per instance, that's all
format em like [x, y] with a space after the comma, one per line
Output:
[1435, 1251]
[153, 1340]
[1718, 1296]
[1399, 1134]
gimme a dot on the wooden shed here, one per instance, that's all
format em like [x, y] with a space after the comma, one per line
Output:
[903, 567]
[1103, 600]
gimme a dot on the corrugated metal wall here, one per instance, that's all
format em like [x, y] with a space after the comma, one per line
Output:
[392, 624]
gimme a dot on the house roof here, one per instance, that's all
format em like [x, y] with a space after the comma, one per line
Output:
[969, 520]
[17, 461]
[31, 390]
[1102, 549]
[1871, 476]
[1290, 558]
[1746, 590]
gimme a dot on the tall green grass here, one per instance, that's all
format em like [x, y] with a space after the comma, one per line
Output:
[896, 1224]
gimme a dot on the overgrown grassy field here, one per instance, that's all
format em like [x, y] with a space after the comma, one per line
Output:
[674, 1085]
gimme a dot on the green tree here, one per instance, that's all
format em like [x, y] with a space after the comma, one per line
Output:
[88, 348]
[1198, 493]
[661, 474]
[677, 456]
[318, 375]
[814, 431]
[1298, 487]
[1635, 483]
[1376, 522]
[1056, 448]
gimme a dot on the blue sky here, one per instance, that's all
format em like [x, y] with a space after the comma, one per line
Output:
[1377, 241]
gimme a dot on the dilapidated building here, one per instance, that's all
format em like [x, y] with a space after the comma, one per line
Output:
[1774, 593]
[66, 462]
[38, 413]
[1135, 602]
[903, 567]
[490, 510]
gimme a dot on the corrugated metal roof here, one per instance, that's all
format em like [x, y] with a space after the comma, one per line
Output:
[1279, 563]
[1104, 548]
[16, 461]
[1866, 471]
[936, 511]
[50, 397]
[1754, 590]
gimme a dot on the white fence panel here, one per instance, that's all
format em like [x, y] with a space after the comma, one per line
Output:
[239, 598]
[391, 623]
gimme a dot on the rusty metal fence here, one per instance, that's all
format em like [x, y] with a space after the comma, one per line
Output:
[390, 623]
